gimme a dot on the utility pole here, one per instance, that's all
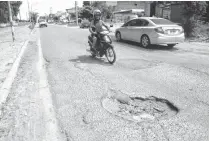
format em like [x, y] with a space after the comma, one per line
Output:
[10, 19]
[76, 12]
[29, 12]
[19, 15]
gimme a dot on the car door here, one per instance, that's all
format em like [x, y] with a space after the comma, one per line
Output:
[125, 30]
[138, 29]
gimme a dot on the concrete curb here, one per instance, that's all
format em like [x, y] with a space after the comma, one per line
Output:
[51, 124]
[7, 85]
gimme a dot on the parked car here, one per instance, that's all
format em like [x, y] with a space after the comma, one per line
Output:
[151, 30]
[42, 23]
[85, 23]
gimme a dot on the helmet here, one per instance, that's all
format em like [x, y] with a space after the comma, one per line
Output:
[97, 14]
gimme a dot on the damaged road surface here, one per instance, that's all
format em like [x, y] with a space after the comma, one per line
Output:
[148, 94]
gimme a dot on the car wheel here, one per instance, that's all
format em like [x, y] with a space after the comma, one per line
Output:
[118, 36]
[171, 45]
[145, 41]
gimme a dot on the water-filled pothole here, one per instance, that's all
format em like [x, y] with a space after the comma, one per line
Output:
[139, 109]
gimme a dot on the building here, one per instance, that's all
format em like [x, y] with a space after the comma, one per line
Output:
[126, 10]
[126, 15]
[171, 11]
[127, 5]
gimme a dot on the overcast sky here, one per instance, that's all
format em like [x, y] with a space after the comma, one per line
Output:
[43, 6]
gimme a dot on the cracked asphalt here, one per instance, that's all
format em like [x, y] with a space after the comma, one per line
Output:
[78, 83]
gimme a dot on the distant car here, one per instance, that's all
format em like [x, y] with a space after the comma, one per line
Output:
[151, 30]
[85, 24]
[42, 23]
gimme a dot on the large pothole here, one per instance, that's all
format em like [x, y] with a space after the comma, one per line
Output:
[139, 109]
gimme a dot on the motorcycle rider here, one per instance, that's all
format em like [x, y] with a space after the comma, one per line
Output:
[96, 26]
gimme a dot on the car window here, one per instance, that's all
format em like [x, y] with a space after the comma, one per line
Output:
[142, 23]
[130, 23]
[126, 24]
[162, 21]
[133, 23]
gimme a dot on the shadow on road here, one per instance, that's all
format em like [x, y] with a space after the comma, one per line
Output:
[88, 59]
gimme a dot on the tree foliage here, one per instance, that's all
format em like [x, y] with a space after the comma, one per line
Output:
[73, 15]
[4, 13]
[193, 11]
[34, 16]
[86, 3]
[87, 11]
[105, 10]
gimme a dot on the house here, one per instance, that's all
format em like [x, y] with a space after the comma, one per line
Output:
[171, 11]
[126, 15]
[126, 10]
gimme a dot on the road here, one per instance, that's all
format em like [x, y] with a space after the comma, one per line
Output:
[78, 84]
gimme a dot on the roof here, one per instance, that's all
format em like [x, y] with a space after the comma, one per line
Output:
[149, 18]
[129, 11]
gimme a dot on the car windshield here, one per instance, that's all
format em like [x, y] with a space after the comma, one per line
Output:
[162, 21]
[42, 20]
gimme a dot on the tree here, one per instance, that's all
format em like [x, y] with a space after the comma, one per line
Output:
[86, 3]
[86, 13]
[73, 15]
[56, 18]
[105, 10]
[4, 14]
[15, 5]
[34, 16]
[193, 11]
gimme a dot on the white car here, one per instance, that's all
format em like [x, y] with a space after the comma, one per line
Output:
[42, 23]
[151, 30]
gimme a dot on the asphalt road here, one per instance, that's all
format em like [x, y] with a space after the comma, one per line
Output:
[79, 82]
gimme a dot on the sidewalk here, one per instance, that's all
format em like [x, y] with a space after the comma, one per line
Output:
[9, 50]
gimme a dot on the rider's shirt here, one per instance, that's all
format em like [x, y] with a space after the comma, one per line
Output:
[98, 25]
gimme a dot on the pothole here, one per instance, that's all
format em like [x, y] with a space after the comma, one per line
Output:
[139, 109]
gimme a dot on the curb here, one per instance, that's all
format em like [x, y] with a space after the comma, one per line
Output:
[51, 126]
[6, 87]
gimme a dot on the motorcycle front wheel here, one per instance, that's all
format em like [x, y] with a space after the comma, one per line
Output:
[110, 54]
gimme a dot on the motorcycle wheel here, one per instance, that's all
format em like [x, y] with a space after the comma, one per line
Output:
[110, 54]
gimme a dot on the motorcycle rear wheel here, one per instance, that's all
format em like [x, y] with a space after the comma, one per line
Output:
[110, 54]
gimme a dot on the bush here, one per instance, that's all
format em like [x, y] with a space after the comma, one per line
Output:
[196, 28]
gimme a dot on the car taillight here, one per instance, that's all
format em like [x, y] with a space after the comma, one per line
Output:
[159, 30]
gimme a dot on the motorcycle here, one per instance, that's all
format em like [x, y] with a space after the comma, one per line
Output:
[104, 47]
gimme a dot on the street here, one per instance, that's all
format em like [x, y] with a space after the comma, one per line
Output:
[79, 83]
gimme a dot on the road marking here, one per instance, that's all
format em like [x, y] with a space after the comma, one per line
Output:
[52, 131]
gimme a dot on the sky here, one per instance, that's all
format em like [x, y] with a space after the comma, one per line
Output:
[43, 6]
